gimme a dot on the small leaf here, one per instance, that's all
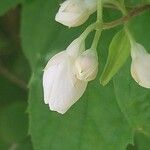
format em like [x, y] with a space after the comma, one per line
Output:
[118, 53]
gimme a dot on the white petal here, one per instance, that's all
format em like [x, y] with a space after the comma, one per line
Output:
[50, 73]
[73, 13]
[66, 89]
[86, 65]
[71, 19]
[137, 50]
[140, 70]
[91, 5]
[55, 60]
[76, 48]
[140, 66]
[48, 81]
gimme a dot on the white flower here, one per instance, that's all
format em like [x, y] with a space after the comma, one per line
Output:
[61, 87]
[73, 13]
[87, 65]
[140, 67]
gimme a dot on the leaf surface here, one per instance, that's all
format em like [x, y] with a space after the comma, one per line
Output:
[5, 5]
[119, 51]
[97, 121]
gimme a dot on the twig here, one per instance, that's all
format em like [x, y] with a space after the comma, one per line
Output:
[12, 77]
[125, 19]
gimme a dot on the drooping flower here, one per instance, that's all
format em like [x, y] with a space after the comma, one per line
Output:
[61, 87]
[140, 66]
[87, 65]
[73, 13]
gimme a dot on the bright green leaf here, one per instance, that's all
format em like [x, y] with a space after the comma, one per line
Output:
[119, 50]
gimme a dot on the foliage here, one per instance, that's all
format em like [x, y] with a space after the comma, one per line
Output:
[113, 117]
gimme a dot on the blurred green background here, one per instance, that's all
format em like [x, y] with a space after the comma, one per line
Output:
[14, 76]
[28, 32]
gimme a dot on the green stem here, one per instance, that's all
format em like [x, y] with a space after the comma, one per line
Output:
[121, 7]
[99, 20]
[132, 40]
[89, 29]
[123, 20]
[96, 40]
[99, 11]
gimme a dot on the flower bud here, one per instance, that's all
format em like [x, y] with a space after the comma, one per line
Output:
[140, 67]
[91, 4]
[86, 65]
[73, 13]
[61, 87]
[76, 47]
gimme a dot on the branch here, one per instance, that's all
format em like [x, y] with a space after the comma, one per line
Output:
[12, 78]
[125, 19]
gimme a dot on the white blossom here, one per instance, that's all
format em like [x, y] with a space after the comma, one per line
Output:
[73, 13]
[87, 65]
[140, 67]
[61, 87]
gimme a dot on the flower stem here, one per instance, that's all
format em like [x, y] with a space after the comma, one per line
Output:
[89, 29]
[121, 7]
[96, 39]
[99, 11]
[132, 40]
[99, 20]
[104, 26]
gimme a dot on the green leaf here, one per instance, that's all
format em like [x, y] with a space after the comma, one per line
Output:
[136, 3]
[5, 5]
[14, 70]
[95, 121]
[3, 144]
[24, 145]
[133, 99]
[13, 122]
[15, 93]
[119, 50]
[105, 117]
[142, 142]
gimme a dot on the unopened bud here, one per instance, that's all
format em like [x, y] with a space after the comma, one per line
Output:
[73, 13]
[86, 65]
[140, 67]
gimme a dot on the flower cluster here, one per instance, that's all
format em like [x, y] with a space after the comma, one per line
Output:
[67, 74]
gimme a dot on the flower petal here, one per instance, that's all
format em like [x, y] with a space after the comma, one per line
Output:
[67, 89]
[73, 13]
[76, 48]
[50, 73]
[140, 70]
[55, 60]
